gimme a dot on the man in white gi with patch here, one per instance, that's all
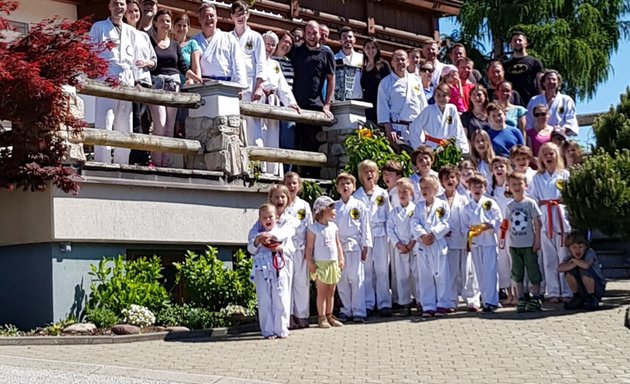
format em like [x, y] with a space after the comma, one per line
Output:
[113, 114]
[349, 57]
[400, 100]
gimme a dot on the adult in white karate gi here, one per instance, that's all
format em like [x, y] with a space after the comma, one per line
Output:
[351, 58]
[113, 114]
[561, 107]
[400, 99]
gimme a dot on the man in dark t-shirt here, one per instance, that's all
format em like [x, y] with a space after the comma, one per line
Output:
[313, 65]
[521, 69]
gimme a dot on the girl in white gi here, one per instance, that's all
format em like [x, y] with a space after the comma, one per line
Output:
[463, 279]
[501, 168]
[399, 231]
[561, 107]
[267, 241]
[325, 259]
[438, 122]
[547, 191]
[376, 199]
[301, 211]
[354, 231]
[430, 226]
[482, 152]
[482, 217]
[276, 92]
[423, 157]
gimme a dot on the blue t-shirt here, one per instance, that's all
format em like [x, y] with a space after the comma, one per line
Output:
[512, 115]
[505, 139]
[187, 51]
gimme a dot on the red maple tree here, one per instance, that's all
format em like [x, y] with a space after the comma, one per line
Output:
[33, 69]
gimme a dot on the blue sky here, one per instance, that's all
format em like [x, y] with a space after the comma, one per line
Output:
[607, 93]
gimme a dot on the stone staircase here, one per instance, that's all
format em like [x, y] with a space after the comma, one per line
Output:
[614, 257]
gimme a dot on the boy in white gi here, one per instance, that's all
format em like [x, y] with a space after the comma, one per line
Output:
[265, 242]
[352, 218]
[430, 226]
[399, 231]
[392, 172]
[300, 210]
[375, 198]
[423, 157]
[482, 217]
[463, 280]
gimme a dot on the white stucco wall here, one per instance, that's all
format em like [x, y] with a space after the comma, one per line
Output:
[33, 11]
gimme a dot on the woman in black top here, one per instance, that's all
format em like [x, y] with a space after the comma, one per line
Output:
[166, 76]
[374, 69]
[476, 116]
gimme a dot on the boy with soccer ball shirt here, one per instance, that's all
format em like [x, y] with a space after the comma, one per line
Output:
[522, 223]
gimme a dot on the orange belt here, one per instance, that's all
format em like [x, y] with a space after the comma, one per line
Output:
[550, 204]
[505, 225]
[435, 140]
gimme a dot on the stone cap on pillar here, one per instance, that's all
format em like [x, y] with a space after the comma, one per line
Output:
[215, 88]
[348, 114]
[220, 98]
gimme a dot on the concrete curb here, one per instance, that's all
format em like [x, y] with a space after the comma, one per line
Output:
[210, 334]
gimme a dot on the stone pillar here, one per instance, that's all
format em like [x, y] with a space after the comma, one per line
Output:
[349, 115]
[74, 143]
[218, 125]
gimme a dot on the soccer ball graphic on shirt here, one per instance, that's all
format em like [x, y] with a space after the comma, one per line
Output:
[519, 221]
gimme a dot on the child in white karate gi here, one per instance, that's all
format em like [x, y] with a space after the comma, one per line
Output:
[392, 172]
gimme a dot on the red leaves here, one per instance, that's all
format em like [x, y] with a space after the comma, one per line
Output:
[33, 70]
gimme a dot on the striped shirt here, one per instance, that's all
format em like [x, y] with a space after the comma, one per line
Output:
[287, 69]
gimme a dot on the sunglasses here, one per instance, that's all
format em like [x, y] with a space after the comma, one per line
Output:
[426, 70]
[331, 206]
[540, 114]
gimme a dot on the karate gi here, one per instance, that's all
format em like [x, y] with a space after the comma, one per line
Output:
[394, 202]
[484, 168]
[377, 293]
[281, 94]
[354, 60]
[113, 114]
[505, 259]
[415, 179]
[561, 113]
[354, 233]
[555, 226]
[433, 124]
[272, 286]
[399, 230]
[462, 272]
[484, 247]
[400, 100]
[143, 51]
[222, 58]
[434, 277]
[300, 282]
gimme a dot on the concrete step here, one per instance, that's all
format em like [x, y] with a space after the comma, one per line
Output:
[615, 263]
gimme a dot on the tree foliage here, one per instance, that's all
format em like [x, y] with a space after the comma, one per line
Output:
[575, 37]
[33, 70]
[612, 130]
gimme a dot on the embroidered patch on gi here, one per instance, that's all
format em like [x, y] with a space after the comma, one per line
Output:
[416, 88]
[449, 119]
[249, 45]
[301, 214]
[487, 205]
[355, 214]
[380, 201]
[440, 212]
[560, 184]
[561, 110]
[277, 69]
[410, 214]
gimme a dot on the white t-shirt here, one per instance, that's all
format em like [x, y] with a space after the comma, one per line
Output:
[325, 247]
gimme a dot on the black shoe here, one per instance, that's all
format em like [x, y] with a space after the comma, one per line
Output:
[359, 320]
[369, 312]
[489, 308]
[385, 312]
[591, 303]
[405, 312]
[343, 318]
[575, 303]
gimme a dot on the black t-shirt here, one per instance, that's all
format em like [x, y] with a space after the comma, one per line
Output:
[311, 67]
[169, 60]
[370, 81]
[471, 123]
[521, 72]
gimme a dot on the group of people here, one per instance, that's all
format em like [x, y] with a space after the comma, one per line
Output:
[428, 241]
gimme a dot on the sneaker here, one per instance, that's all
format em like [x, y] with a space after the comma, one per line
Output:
[332, 320]
[591, 303]
[323, 322]
[385, 312]
[343, 318]
[490, 308]
[359, 320]
[534, 305]
[522, 305]
[575, 303]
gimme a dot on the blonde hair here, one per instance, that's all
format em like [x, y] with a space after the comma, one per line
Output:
[476, 156]
[280, 188]
[552, 147]
[346, 176]
[368, 165]
[292, 174]
[404, 183]
[570, 144]
[267, 207]
[431, 180]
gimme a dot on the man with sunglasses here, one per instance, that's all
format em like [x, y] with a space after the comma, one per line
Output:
[430, 50]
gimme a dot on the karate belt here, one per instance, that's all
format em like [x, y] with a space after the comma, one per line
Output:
[474, 231]
[505, 225]
[435, 140]
[550, 204]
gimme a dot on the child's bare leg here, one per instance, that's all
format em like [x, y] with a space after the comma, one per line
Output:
[322, 298]
[518, 287]
[535, 289]
[589, 284]
[571, 282]
[330, 298]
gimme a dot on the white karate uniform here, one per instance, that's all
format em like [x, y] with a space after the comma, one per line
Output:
[461, 269]
[394, 202]
[415, 179]
[354, 60]
[272, 286]
[400, 99]
[377, 293]
[561, 113]
[434, 279]
[354, 233]
[484, 247]
[545, 189]
[505, 259]
[300, 283]
[438, 66]
[439, 125]
[144, 51]
[113, 114]
[269, 133]
[484, 168]
[400, 230]
[222, 57]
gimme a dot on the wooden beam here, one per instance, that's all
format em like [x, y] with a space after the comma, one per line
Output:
[287, 114]
[294, 11]
[139, 95]
[287, 156]
[588, 119]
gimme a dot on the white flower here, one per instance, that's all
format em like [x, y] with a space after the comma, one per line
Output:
[138, 315]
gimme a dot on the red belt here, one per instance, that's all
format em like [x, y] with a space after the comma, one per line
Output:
[550, 204]
[435, 140]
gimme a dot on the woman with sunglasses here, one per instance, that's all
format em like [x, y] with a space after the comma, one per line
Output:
[374, 69]
[541, 132]
[426, 75]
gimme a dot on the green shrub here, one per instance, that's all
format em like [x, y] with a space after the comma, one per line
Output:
[597, 193]
[102, 317]
[209, 284]
[310, 191]
[118, 286]
[190, 317]
[10, 330]
[447, 154]
[612, 130]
